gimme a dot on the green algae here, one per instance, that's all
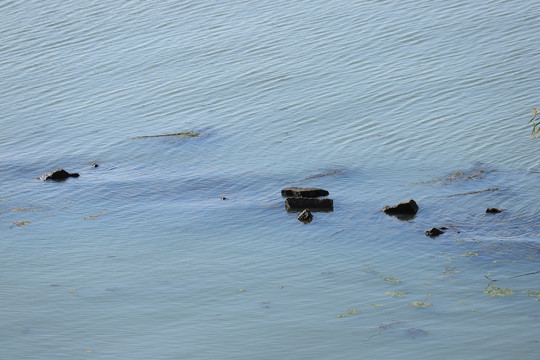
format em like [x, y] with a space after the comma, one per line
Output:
[350, 312]
[421, 304]
[532, 293]
[451, 270]
[395, 293]
[495, 291]
[391, 279]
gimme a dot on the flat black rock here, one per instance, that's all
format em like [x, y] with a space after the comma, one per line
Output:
[409, 208]
[303, 192]
[313, 204]
[435, 232]
[305, 216]
[57, 175]
[493, 211]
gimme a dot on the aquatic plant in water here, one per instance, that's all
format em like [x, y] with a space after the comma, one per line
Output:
[495, 291]
[350, 312]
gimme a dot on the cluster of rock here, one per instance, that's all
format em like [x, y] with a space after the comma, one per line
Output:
[306, 200]
[407, 210]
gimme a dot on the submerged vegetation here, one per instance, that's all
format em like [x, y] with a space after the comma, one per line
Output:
[186, 134]
[535, 122]
[350, 312]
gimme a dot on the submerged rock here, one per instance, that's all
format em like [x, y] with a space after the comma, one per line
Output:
[493, 211]
[313, 204]
[304, 192]
[57, 175]
[305, 216]
[434, 232]
[406, 208]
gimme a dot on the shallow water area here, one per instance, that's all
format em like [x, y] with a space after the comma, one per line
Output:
[180, 246]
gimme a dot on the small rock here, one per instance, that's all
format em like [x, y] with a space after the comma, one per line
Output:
[303, 192]
[94, 165]
[313, 204]
[305, 216]
[493, 210]
[223, 198]
[435, 232]
[409, 208]
[58, 175]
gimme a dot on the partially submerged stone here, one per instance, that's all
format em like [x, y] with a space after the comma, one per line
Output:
[303, 192]
[406, 208]
[493, 211]
[434, 232]
[58, 175]
[305, 216]
[313, 204]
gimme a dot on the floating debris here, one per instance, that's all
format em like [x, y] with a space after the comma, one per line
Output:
[21, 223]
[181, 134]
[395, 293]
[475, 192]
[92, 217]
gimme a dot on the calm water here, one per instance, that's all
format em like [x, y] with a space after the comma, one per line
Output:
[376, 101]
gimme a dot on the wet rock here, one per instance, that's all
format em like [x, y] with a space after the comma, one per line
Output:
[434, 232]
[313, 204]
[58, 175]
[406, 208]
[493, 211]
[305, 216]
[303, 192]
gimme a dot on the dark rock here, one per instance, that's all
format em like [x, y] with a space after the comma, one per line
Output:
[303, 192]
[493, 210]
[313, 204]
[305, 216]
[435, 232]
[223, 198]
[94, 165]
[58, 175]
[409, 208]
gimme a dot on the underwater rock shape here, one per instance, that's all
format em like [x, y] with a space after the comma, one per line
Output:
[305, 216]
[434, 232]
[313, 204]
[406, 208]
[493, 211]
[57, 175]
[304, 192]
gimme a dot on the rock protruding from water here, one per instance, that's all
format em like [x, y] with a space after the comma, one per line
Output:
[434, 232]
[305, 216]
[493, 211]
[304, 192]
[57, 175]
[406, 208]
[313, 204]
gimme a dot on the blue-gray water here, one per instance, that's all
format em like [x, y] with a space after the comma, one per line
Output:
[376, 101]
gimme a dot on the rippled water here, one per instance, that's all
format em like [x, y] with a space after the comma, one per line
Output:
[376, 101]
